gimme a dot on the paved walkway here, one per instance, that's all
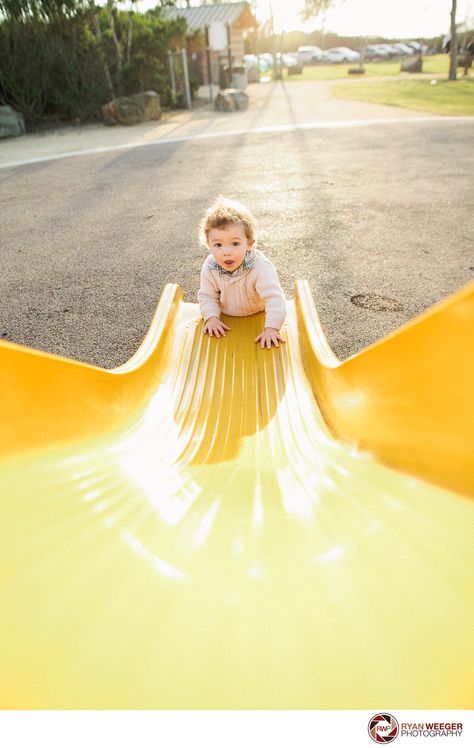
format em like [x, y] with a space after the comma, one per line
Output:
[276, 105]
[354, 207]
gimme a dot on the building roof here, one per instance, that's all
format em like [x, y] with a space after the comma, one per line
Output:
[199, 18]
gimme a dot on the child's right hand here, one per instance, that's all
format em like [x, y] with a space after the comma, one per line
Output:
[215, 326]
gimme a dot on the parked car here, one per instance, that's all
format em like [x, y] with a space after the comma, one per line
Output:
[309, 55]
[265, 62]
[370, 52]
[386, 51]
[374, 51]
[290, 59]
[390, 49]
[352, 54]
[415, 45]
[341, 54]
[404, 49]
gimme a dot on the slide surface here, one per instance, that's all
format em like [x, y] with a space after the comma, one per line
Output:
[216, 526]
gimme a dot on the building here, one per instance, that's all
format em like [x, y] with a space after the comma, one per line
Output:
[219, 19]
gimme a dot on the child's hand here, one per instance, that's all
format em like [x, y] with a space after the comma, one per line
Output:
[215, 326]
[270, 336]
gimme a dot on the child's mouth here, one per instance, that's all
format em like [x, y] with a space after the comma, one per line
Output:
[229, 263]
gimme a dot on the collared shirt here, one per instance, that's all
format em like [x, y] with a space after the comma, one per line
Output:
[247, 264]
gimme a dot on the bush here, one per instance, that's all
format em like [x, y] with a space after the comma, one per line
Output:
[56, 67]
[148, 68]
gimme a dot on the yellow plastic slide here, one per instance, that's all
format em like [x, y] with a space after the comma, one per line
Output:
[213, 525]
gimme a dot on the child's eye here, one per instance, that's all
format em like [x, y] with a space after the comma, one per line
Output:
[236, 244]
[217, 245]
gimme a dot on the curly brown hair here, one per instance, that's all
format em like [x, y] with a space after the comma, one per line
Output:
[223, 212]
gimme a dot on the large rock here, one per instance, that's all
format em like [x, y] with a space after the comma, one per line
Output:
[11, 123]
[463, 60]
[224, 102]
[130, 110]
[414, 66]
[230, 100]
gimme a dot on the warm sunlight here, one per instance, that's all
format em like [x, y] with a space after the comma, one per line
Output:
[372, 17]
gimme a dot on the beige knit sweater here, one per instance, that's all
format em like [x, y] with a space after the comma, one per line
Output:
[255, 290]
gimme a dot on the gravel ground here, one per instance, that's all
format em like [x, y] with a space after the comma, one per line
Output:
[378, 218]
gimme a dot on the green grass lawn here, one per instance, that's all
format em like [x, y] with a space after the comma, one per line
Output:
[446, 97]
[434, 65]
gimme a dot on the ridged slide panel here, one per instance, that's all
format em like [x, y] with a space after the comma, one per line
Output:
[212, 525]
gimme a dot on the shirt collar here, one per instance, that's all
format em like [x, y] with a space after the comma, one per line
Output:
[247, 264]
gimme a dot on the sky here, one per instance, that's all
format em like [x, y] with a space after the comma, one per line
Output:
[395, 19]
[388, 18]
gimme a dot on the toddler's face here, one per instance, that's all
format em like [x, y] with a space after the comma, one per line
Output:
[229, 245]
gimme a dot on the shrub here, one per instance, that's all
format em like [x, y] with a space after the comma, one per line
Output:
[54, 63]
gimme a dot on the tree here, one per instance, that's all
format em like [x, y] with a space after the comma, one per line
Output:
[315, 7]
[40, 10]
[60, 58]
[453, 50]
[122, 46]
[100, 48]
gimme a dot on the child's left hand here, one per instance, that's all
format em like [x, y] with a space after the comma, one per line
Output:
[270, 336]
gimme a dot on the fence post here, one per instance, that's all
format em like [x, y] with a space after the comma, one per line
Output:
[208, 60]
[229, 54]
[172, 75]
[187, 87]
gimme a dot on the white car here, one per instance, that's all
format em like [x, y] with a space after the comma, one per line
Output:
[391, 50]
[290, 59]
[309, 55]
[373, 51]
[341, 54]
[353, 55]
[416, 46]
[404, 49]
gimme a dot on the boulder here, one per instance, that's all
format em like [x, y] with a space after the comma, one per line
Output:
[463, 60]
[413, 66]
[230, 100]
[356, 71]
[224, 102]
[130, 110]
[11, 123]
[241, 99]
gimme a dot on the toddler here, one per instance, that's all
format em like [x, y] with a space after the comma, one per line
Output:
[236, 278]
